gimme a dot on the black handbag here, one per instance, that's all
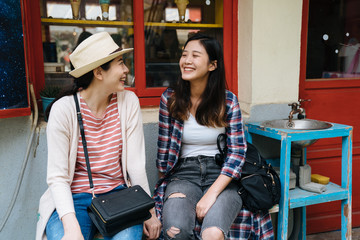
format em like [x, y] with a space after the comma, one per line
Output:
[118, 210]
[259, 185]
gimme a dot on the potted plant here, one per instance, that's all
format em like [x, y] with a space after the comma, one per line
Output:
[48, 95]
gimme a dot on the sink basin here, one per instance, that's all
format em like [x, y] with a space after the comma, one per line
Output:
[303, 124]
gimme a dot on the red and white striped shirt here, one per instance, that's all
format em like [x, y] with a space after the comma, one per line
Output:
[104, 144]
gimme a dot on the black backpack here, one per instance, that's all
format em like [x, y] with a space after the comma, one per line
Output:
[259, 185]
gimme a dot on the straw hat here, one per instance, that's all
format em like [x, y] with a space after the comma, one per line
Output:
[94, 51]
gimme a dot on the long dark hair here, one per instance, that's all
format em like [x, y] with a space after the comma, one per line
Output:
[81, 82]
[211, 111]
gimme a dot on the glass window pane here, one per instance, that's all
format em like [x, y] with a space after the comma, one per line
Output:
[188, 11]
[333, 39]
[163, 51]
[164, 38]
[13, 89]
[90, 9]
[64, 39]
[59, 10]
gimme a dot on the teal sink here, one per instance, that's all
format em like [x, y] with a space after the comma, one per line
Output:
[298, 124]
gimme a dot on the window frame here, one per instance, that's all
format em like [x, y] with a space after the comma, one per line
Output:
[316, 83]
[148, 96]
[151, 96]
[26, 17]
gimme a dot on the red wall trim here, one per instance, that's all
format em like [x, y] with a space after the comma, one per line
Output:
[19, 112]
[150, 102]
[139, 47]
[327, 83]
[230, 42]
[303, 48]
[35, 48]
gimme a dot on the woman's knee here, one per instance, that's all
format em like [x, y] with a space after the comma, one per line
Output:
[179, 233]
[213, 233]
[177, 195]
[173, 203]
[176, 224]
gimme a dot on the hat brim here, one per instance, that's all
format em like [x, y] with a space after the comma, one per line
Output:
[78, 72]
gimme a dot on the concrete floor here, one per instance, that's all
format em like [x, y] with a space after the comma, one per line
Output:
[335, 235]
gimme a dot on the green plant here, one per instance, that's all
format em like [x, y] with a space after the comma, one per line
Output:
[50, 92]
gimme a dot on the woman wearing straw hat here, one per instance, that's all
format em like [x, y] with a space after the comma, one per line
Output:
[115, 142]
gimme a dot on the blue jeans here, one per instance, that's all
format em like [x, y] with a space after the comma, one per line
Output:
[55, 230]
[192, 177]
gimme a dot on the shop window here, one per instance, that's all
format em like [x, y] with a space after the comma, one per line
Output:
[164, 40]
[63, 34]
[155, 28]
[13, 81]
[333, 44]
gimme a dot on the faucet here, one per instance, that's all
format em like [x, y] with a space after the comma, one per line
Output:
[295, 108]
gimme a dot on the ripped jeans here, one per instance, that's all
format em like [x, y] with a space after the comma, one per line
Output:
[192, 177]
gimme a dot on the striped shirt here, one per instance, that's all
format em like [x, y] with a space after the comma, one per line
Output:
[104, 144]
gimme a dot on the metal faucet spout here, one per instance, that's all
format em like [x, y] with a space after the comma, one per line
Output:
[295, 109]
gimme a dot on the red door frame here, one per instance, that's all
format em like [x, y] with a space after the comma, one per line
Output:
[326, 217]
[230, 39]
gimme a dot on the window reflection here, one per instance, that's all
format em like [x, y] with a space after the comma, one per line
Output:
[163, 52]
[60, 41]
[162, 57]
[168, 11]
[333, 48]
[164, 42]
[63, 40]
[89, 10]
[92, 11]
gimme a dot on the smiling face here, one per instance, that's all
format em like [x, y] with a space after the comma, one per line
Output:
[194, 62]
[115, 76]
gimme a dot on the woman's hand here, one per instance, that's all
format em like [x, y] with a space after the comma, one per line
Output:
[72, 229]
[152, 227]
[205, 203]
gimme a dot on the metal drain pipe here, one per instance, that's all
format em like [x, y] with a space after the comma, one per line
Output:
[23, 167]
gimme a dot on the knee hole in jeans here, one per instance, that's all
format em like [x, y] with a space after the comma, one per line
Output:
[172, 232]
[212, 233]
[177, 195]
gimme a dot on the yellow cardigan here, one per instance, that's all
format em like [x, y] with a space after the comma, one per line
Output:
[62, 139]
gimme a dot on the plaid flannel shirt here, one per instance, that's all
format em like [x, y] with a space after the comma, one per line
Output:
[247, 225]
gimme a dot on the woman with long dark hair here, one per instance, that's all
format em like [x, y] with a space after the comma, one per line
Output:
[115, 142]
[195, 196]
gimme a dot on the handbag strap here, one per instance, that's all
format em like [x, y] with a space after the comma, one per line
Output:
[82, 133]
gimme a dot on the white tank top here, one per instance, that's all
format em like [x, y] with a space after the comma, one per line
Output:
[198, 139]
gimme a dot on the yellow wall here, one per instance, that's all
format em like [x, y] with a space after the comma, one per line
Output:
[269, 51]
